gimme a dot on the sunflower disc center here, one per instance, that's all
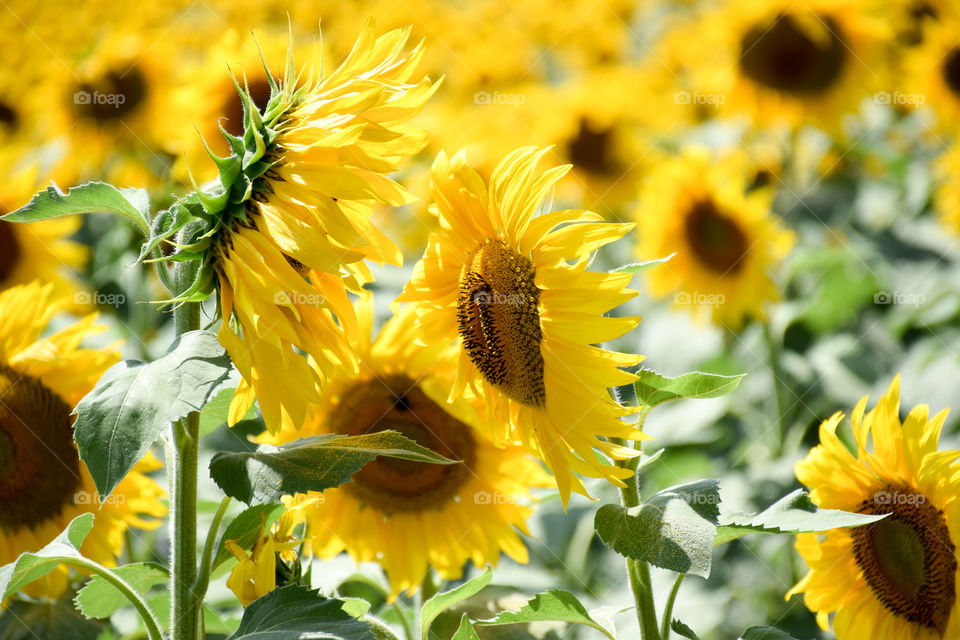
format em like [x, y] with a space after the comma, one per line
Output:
[9, 250]
[113, 96]
[951, 71]
[39, 465]
[499, 321]
[590, 149]
[786, 59]
[392, 485]
[908, 558]
[717, 241]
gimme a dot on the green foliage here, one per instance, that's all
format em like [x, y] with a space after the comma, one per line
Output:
[309, 464]
[443, 601]
[673, 530]
[556, 605]
[637, 267]
[32, 566]
[653, 389]
[245, 528]
[92, 197]
[135, 402]
[99, 599]
[54, 620]
[299, 613]
[683, 630]
[792, 514]
[765, 633]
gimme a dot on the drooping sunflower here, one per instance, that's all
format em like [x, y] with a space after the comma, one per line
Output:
[43, 483]
[897, 577]
[295, 225]
[409, 516]
[932, 71]
[513, 289]
[725, 237]
[784, 63]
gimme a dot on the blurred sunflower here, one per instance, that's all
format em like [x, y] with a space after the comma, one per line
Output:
[43, 483]
[784, 62]
[932, 71]
[895, 578]
[409, 516]
[725, 237]
[946, 198]
[287, 254]
[499, 278]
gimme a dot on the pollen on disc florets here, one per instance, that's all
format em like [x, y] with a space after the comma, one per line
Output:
[499, 321]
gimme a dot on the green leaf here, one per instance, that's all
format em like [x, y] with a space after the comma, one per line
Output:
[245, 528]
[792, 514]
[135, 402]
[556, 605]
[309, 464]
[55, 620]
[443, 601]
[32, 566]
[765, 633]
[91, 197]
[683, 630]
[642, 266]
[217, 410]
[653, 389]
[466, 630]
[297, 613]
[99, 599]
[673, 530]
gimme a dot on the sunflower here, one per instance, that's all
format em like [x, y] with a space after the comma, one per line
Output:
[725, 237]
[895, 578]
[293, 246]
[43, 483]
[932, 71]
[409, 516]
[783, 62]
[513, 289]
[946, 198]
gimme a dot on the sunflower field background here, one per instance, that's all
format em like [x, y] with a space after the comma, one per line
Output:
[413, 319]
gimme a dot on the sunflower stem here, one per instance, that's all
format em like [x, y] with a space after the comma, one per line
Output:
[206, 560]
[182, 465]
[776, 374]
[668, 608]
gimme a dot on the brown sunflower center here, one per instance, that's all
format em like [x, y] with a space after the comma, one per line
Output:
[9, 118]
[392, 485]
[233, 108]
[499, 321]
[113, 96]
[590, 149]
[786, 59]
[951, 70]
[717, 241]
[908, 558]
[39, 466]
[9, 249]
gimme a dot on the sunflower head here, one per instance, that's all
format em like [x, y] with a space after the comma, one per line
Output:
[43, 483]
[896, 577]
[724, 234]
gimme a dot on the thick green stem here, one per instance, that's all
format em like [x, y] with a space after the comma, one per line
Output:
[668, 608]
[182, 464]
[638, 572]
[153, 625]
